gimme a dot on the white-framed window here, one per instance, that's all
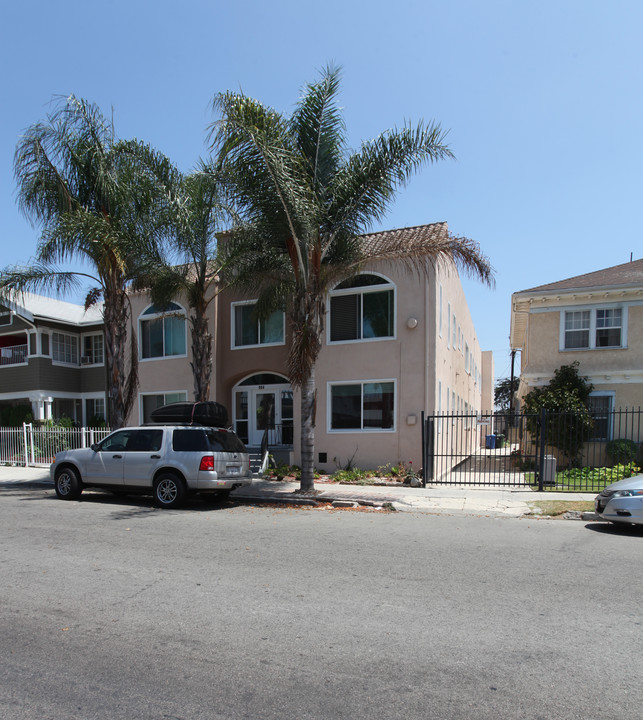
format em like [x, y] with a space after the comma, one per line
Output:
[440, 321]
[601, 407]
[448, 325]
[94, 411]
[93, 350]
[593, 328]
[64, 348]
[249, 331]
[150, 401]
[163, 333]
[454, 338]
[467, 359]
[362, 406]
[362, 308]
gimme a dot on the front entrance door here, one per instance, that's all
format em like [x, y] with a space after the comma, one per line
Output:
[261, 408]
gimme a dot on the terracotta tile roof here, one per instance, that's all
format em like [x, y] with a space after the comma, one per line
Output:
[627, 274]
[413, 234]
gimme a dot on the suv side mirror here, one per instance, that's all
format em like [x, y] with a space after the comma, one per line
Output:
[94, 447]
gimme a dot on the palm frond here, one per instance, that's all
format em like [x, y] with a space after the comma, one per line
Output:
[365, 186]
[318, 128]
[39, 277]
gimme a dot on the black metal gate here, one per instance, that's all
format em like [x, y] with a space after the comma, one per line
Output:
[552, 451]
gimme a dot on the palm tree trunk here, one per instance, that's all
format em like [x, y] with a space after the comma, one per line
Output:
[115, 319]
[201, 357]
[308, 409]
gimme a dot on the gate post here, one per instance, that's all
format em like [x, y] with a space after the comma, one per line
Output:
[428, 450]
[423, 421]
[26, 443]
[541, 459]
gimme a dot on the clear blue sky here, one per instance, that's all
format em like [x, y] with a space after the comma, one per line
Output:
[543, 102]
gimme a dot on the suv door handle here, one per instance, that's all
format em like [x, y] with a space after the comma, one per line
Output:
[117, 457]
[155, 457]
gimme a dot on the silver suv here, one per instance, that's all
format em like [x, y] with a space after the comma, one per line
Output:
[168, 460]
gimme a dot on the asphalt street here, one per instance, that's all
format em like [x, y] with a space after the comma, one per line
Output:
[113, 609]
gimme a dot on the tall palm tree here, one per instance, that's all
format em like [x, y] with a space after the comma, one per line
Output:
[306, 202]
[188, 263]
[97, 201]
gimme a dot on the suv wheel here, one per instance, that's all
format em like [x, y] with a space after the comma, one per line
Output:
[68, 485]
[169, 491]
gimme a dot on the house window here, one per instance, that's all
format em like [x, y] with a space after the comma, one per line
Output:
[608, 327]
[440, 310]
[467, 359]
[577, 329]
[163, 333]
[5, 315]
[600, 408]
[149, 403]
[362, 308]
[454, 341]
[448, 325]
[94, 411]
[591, 329]
[362, 406]
[64, 348]
[248, 330]
[92, 350]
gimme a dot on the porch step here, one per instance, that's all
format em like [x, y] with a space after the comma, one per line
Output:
[255, 461]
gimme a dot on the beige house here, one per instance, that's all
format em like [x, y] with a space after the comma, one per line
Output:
[595, 319]
[395, 344]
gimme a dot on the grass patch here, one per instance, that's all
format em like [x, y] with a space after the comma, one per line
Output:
[587, 479]
[554, 508]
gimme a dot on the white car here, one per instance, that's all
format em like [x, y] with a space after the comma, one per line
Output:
[622, 502]
[167, 461]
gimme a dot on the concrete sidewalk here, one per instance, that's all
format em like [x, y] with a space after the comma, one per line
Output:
[492, 501]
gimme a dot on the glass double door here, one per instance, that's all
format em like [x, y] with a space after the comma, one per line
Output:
[264, 408]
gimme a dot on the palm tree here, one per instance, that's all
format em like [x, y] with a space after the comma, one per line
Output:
[97, 200]
[189, 265]
[306, 202]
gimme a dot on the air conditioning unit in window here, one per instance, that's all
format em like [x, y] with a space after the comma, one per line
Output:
[85, 360]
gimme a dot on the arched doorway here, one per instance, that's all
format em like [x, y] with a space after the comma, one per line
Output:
[263, 402]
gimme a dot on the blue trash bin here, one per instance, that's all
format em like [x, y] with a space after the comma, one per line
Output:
[491, 442]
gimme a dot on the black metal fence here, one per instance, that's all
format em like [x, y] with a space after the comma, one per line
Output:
[550, 451]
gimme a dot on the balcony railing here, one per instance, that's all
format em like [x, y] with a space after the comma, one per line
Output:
[13, 355]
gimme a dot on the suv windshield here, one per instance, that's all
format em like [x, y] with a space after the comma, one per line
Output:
[206, 440]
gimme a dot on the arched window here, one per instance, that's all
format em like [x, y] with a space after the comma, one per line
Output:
[362, 308]
[163, 332]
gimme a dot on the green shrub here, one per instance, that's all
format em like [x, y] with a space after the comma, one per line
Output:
[622, 450]
[15, 415]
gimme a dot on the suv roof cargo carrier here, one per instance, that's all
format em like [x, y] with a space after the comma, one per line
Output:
[211, 414]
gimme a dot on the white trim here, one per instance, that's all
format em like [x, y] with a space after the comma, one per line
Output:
[8, 311]
[366, 290]
[344, 431]
[63, 363]
[233, 326]
[592, 326]
[100, 334]
[161, 315]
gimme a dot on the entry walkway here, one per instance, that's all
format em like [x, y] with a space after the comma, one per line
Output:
[447, 499]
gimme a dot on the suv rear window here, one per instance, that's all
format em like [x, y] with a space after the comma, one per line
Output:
[206, 440]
